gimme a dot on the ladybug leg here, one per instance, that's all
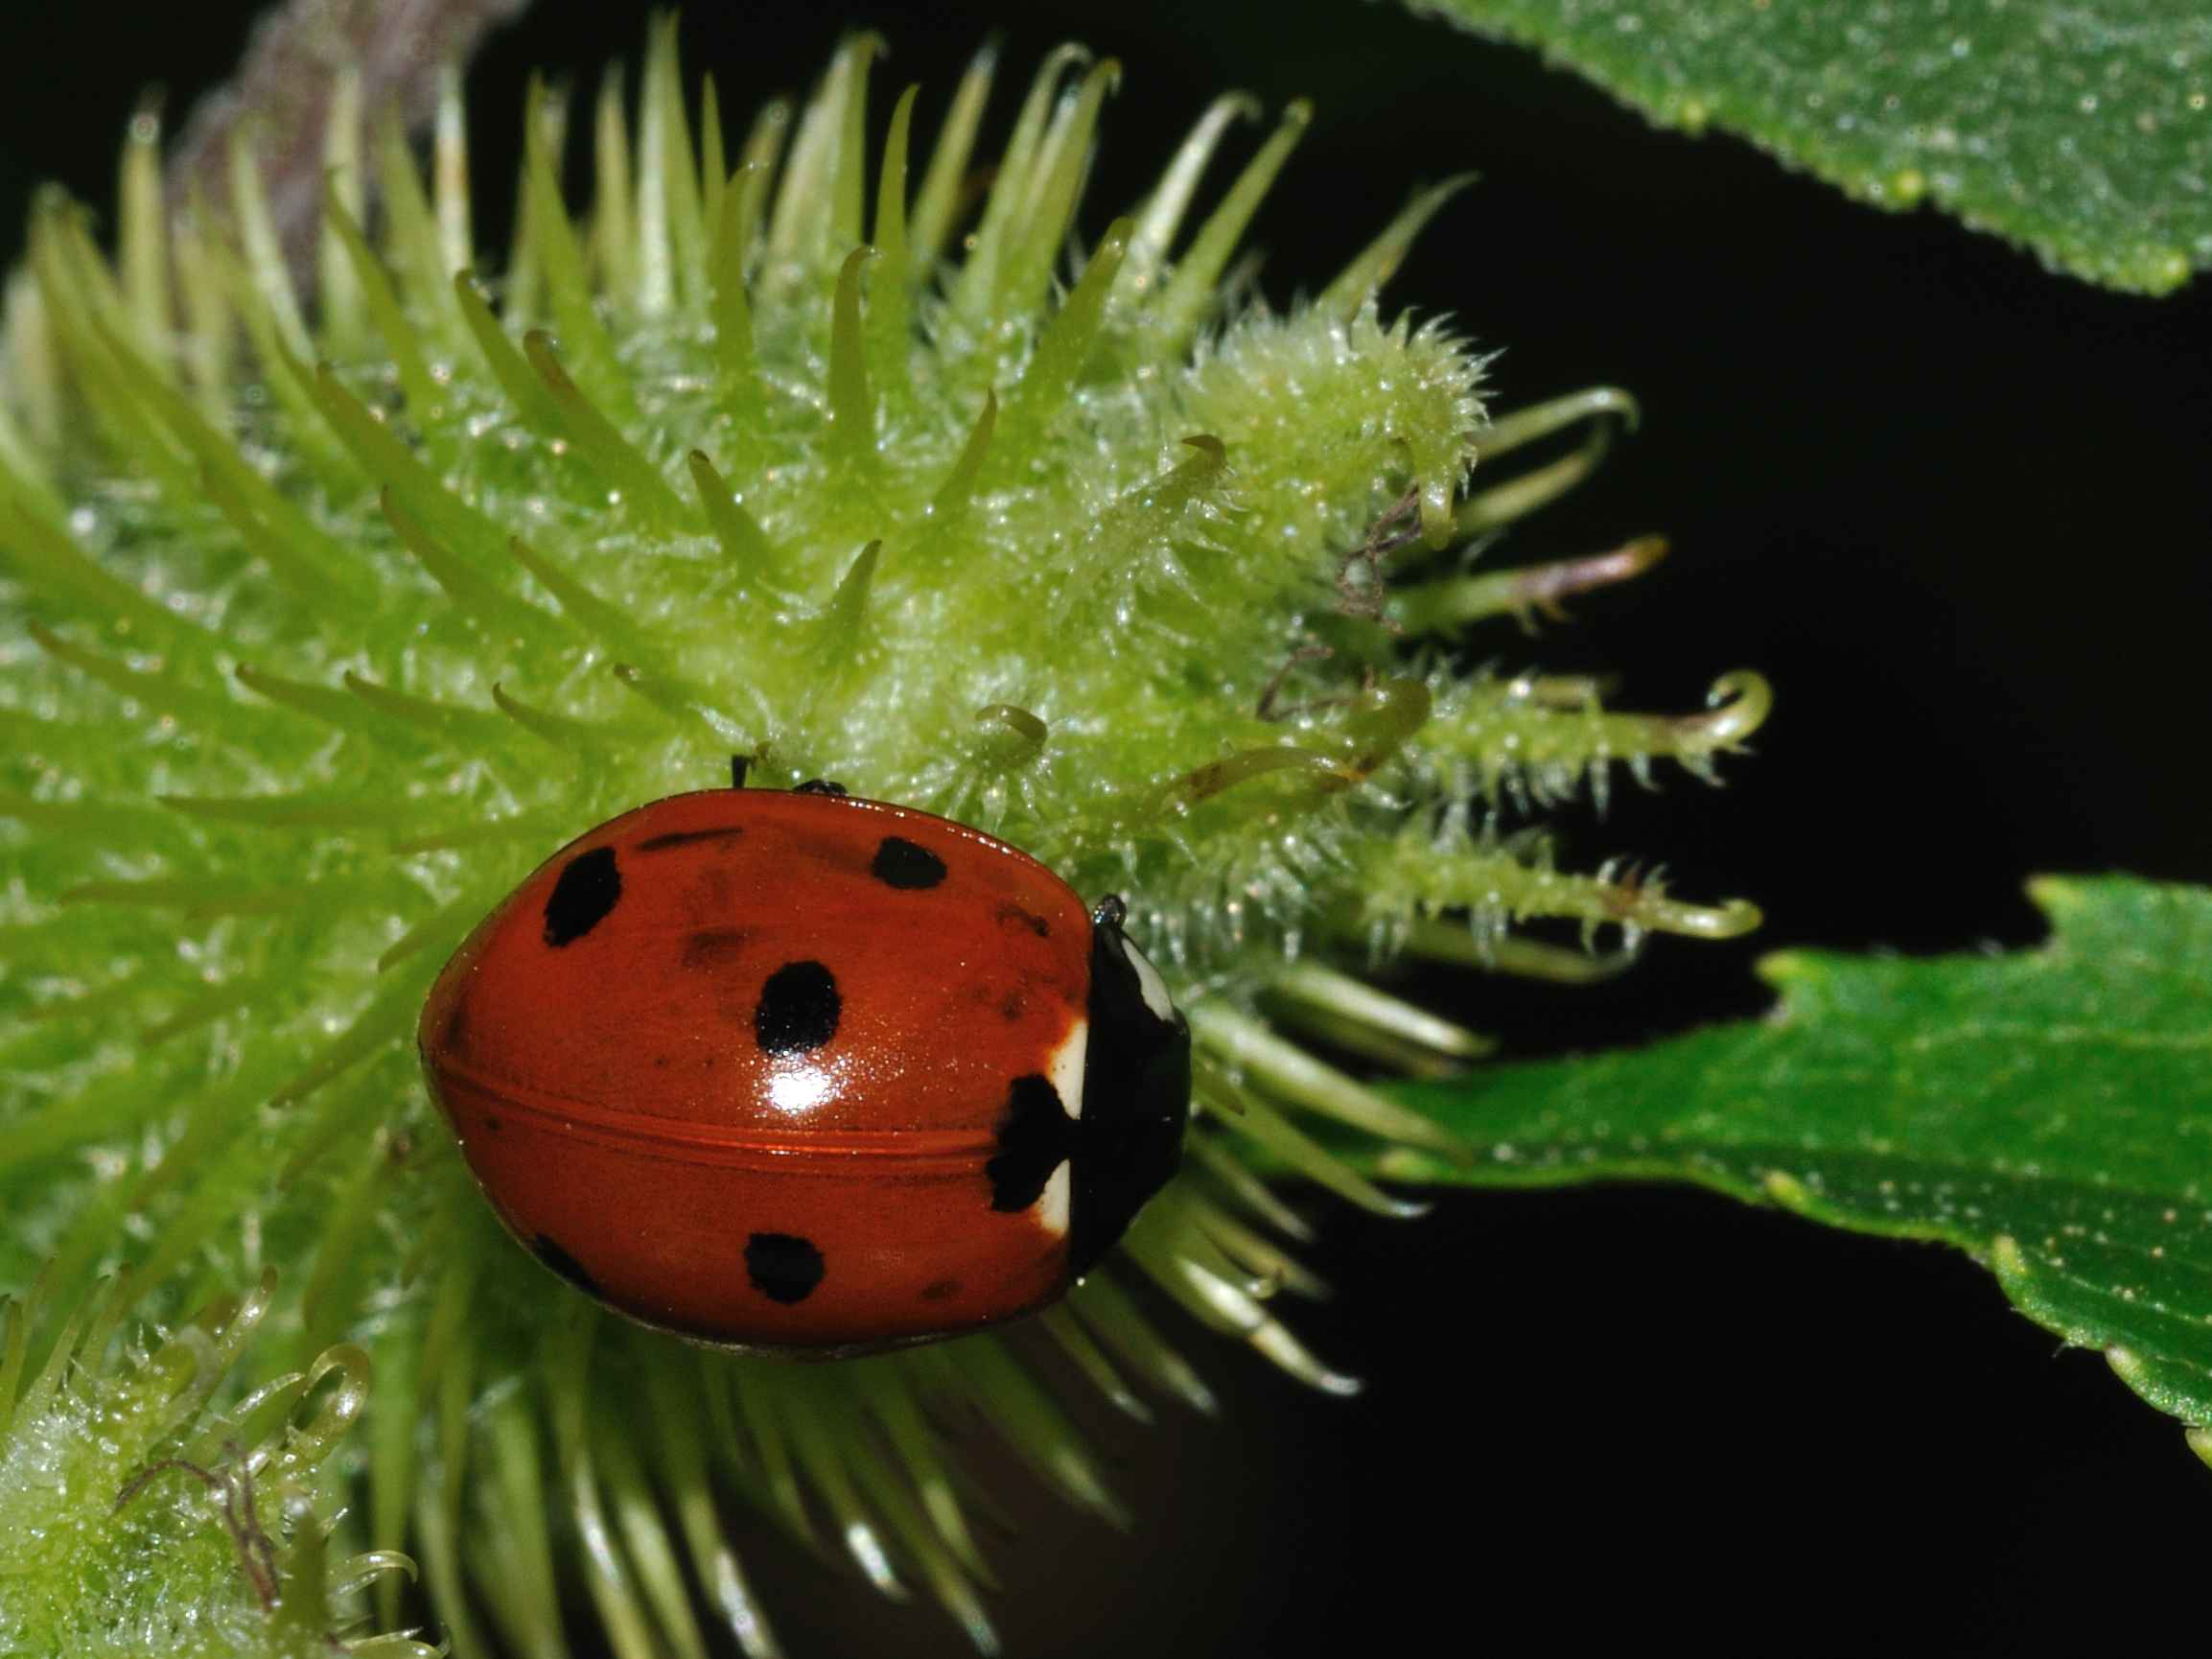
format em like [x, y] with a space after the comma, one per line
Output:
[740, 765]
[1110, 912]
[822, 786]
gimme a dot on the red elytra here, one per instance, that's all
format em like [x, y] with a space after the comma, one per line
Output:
[807, 1073]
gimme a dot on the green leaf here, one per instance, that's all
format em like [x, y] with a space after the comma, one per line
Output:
[2081, 130]
[2049, 1113]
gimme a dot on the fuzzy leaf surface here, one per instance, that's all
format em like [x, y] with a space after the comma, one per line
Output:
[2050, 1112]
[2081, 130]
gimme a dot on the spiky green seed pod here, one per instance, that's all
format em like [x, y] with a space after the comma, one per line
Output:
[328, 615]
[139, 1520]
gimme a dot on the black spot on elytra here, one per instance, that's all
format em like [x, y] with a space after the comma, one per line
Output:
[565, 1264]
[939, 1290]
[1014, 915]
[783, 1268]
[687, 838]
[1011, 1007]
[491, 1124]
[798, 1009]
[1033, 1136]
[588, 888]
[454, 1039]
[714, 946]
[904, 864]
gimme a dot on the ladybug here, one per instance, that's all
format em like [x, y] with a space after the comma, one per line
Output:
[798, 1072]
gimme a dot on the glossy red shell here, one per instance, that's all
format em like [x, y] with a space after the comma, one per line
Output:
[690, 1145]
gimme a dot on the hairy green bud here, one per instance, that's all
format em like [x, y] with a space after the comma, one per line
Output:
[326, 615]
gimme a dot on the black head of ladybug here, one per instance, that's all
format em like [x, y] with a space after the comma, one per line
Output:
[1136, 1092]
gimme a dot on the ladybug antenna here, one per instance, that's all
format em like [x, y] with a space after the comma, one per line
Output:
[1110, 912]
[740, 765]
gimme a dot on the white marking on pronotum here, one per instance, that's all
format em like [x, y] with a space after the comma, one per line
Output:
[1153, 988]
[1065, 1068]
[1052, 1206]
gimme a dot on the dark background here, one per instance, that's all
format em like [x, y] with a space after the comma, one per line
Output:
[1958, 510]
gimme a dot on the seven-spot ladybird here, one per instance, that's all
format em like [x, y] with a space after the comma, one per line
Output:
[800, 1072]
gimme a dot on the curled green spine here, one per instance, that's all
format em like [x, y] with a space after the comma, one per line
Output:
[327, 611]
